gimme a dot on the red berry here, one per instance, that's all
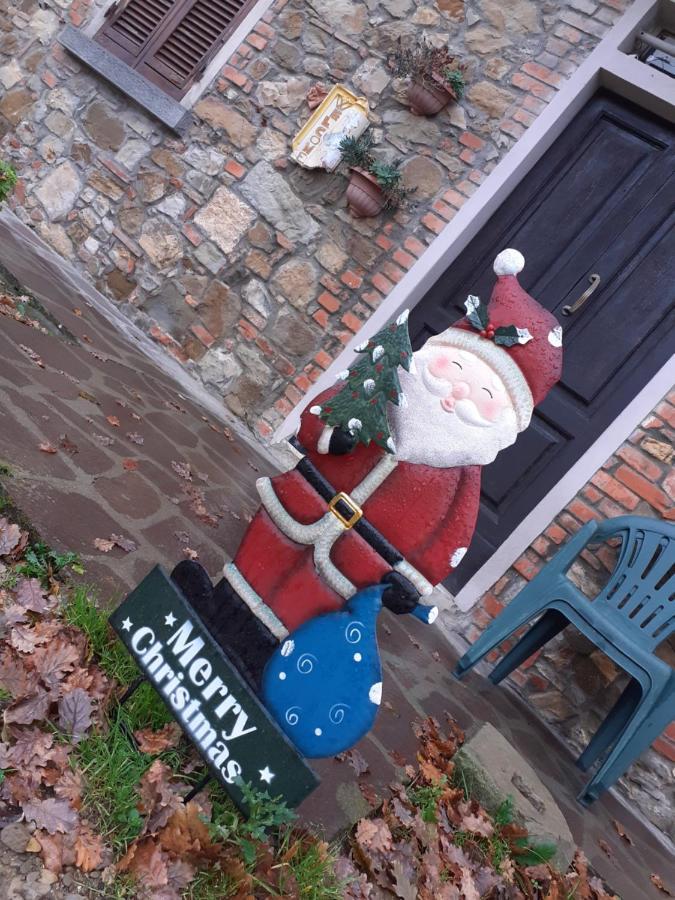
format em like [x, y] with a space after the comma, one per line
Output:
[483, 333]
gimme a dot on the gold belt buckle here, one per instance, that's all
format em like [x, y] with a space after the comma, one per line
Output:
[356, 510]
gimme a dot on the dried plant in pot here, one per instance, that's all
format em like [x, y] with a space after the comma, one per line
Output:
[435, 76]
[373, 185]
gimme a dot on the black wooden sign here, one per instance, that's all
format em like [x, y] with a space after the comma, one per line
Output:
[206, 695]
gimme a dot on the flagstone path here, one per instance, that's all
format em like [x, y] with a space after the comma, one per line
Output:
[151, 459]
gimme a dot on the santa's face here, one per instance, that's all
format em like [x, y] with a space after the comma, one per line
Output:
[458, 411]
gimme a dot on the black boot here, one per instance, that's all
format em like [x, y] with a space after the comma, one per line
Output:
[229, 621]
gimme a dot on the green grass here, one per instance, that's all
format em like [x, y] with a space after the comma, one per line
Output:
[5, 470]
[40, 561]
[426, 798]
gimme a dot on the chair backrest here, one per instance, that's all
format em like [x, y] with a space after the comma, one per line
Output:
[640, 593]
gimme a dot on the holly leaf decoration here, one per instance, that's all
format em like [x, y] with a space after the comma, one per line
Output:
[476, 312]
[509, 335]
[360, 406]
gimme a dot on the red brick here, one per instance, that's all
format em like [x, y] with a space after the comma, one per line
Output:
[235, 77]
[321, 318]
[637, 460]
[415, 246]
[372, 298]
[569, 34]
[582, 510]
[537, 683]
[329, 282]
[472, 141]
[454, 198]
[192, 234]
[667, 412]
[383, 241]
[234, 168]
[527, 566]
[263, 429]
[49, 78]
[351, 279]
[518, 677]
[283, 406]
[351, 321]
[540, 546]
[527, 83]
[467, 156]
[542, 73]
[607, 556]
[615, 489]
[112, 166]
[433, 223]
[589, 493]
[323, 359]
[392, 272]
[293, 394]
[329, 302]
[533, 104]
[381, 283]
[477, 176]
[670, 732]
[403, 259]
[247, 330]
[202, 334]
[265, 30]
[645, 489]
[512, 128]
[491, 605]
[265, 345]
[284, 366]
[525, 118]
[569, 522]
[467, 188]
[257, 41]
[443, 210]
[665, 748]
[556, 533]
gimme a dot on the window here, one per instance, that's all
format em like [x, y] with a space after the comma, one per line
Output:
[170, 42]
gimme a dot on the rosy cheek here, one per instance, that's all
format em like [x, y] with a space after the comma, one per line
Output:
[440, 366]
[489, 407]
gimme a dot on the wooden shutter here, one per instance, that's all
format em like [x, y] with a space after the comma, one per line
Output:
[171, 42]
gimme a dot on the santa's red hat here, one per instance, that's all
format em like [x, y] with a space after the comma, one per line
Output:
[519, 339]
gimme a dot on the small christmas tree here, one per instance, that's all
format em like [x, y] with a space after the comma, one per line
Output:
[360, 407]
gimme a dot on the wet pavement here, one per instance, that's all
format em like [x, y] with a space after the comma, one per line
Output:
[144, 455]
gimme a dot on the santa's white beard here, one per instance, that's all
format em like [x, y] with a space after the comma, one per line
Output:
[424, 432]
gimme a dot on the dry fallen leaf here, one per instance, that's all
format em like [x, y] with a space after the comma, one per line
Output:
[621, 831]
[154, 742]
[182, 469]
[657, 881]
[103, 545]
[113, 420]
[75, 713]
[374, 834]
[88, 849]
[31, 354]
[355, 759]
[124, 543]
[46, 447]
[10, 535]
[51, 814]
[136, 438]
[130, 465]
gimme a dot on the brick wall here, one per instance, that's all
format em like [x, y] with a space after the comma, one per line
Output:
[179, 232]
[570, 682]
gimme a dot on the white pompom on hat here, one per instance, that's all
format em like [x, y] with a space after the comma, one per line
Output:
[509, 262]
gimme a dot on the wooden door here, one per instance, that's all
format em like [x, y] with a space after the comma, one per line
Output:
[600, 202]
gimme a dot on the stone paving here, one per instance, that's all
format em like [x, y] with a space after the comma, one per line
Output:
[240, 263]
[90, 372]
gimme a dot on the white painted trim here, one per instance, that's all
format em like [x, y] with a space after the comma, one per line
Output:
[582, 470]
[219, 60]
[607, 66]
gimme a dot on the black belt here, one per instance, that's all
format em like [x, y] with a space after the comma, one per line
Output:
[343, 508]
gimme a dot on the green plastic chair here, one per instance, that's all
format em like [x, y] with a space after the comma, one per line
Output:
[628, 619]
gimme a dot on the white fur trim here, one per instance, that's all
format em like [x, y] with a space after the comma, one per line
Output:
[555, 336]
[315, 410]
[433, 615]
[509, 262]
[458, 556]
[499, 360]
[414, 577]
[375, 693]
[254, 602]
[323, 444]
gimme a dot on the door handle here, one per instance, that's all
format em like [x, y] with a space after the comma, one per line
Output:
[568, 310]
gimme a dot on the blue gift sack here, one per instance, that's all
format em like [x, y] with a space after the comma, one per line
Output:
[324, 683]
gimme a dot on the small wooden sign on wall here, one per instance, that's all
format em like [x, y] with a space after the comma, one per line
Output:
[341, 114]
[206, 695]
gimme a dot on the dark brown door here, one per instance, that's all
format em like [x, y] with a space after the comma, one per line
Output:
[600, 202]
[170, 42]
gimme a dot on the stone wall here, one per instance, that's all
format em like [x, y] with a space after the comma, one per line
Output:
[571, 683]
[244, 266]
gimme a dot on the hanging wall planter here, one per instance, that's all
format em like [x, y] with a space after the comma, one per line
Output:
[436, 78]
[364, 195]
[373, 185]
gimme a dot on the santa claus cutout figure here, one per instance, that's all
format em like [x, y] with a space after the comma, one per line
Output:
[394, 507]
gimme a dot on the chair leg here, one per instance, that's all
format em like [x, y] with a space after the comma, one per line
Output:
[550, 624]
[529, 603]
[649, 720]
[614, 723]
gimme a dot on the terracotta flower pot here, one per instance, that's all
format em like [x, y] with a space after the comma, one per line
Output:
[429, 99]
[364, 195]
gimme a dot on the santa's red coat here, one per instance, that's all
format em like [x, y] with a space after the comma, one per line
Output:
[426, 513]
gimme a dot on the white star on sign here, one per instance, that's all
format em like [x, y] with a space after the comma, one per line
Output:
[266, 775]
[126, 625]
[170, 619]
